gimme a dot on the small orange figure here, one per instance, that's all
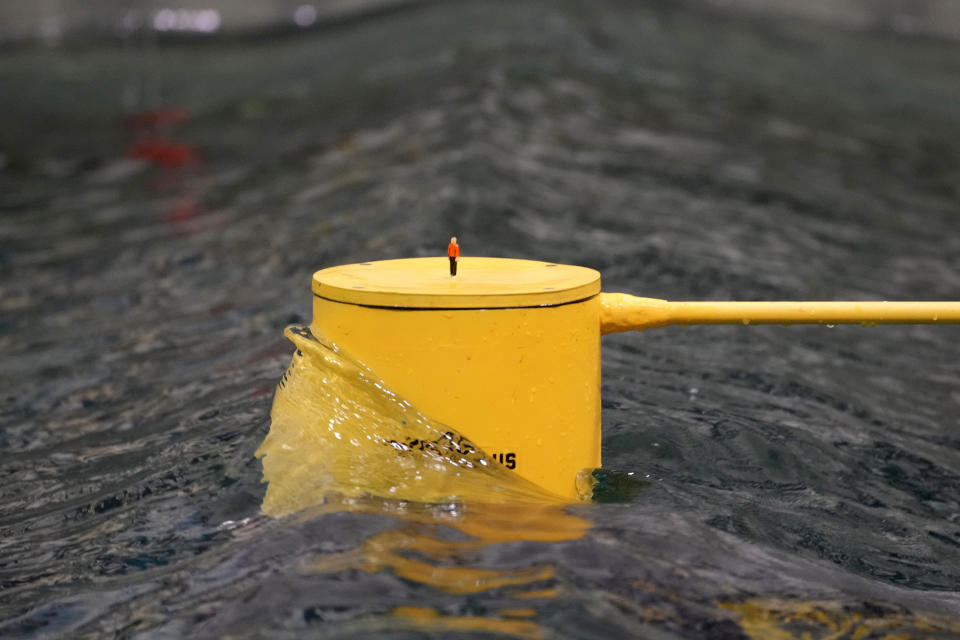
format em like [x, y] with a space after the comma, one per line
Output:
[453, 252]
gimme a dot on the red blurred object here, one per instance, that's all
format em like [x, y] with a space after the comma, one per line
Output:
[178, 162]
[157, 117]
[164, 153]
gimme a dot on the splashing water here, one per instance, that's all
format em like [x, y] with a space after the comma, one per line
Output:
[336, 428]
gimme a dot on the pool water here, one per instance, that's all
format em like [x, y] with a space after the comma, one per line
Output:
[759, 482]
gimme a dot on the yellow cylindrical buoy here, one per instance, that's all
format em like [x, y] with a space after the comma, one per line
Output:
[507, 352]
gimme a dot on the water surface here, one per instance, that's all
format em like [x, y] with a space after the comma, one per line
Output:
[799, 479]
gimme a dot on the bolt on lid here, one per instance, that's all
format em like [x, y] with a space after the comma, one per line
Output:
[481, 283]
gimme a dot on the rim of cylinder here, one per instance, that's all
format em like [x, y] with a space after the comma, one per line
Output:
[481, 283]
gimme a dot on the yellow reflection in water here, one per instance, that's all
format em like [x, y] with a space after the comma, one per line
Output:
[420, 552]
[805, 620]
[484, 524]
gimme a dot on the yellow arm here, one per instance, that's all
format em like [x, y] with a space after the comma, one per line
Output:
[622, 312]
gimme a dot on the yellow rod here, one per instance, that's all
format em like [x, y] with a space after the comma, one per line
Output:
[623, 312]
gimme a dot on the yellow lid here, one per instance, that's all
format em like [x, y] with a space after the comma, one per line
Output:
[481, 283]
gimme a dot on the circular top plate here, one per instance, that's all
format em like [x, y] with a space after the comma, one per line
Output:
[481, 283]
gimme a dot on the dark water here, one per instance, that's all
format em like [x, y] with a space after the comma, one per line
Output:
[800, 479]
